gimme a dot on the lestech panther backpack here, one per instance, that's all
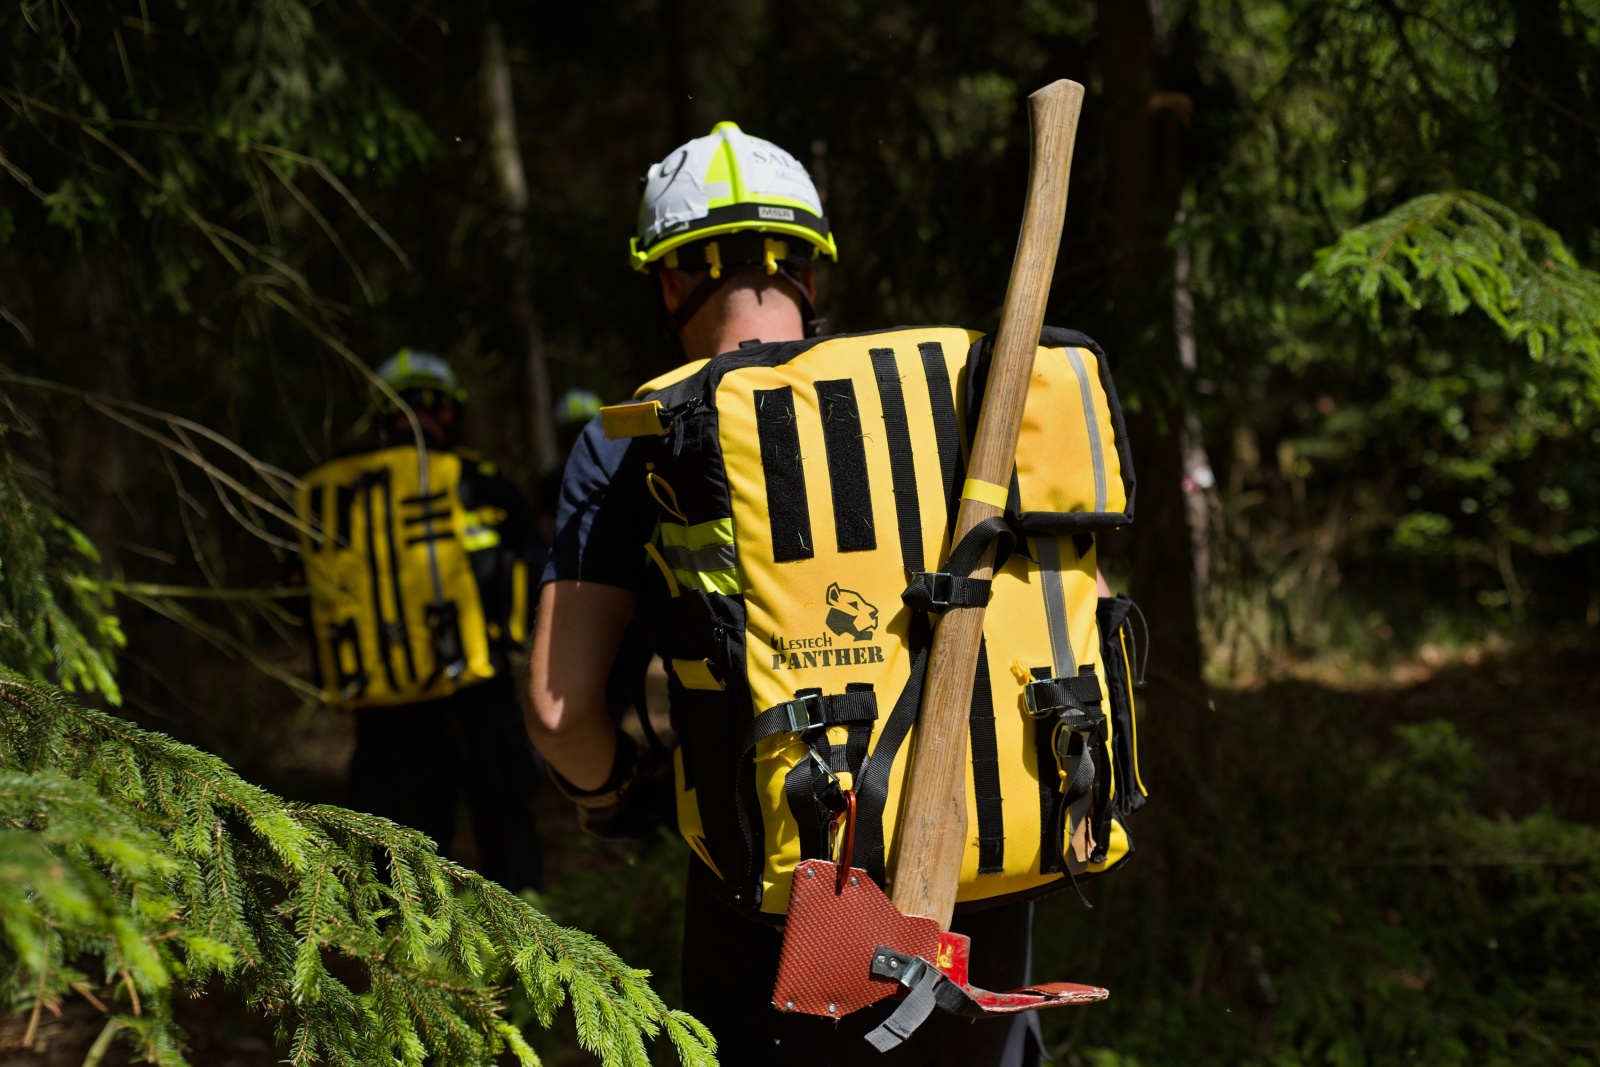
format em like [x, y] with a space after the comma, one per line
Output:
[806, 494]
[413, 592]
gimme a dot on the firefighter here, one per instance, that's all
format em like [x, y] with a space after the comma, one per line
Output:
[419, 558]
[729, 229]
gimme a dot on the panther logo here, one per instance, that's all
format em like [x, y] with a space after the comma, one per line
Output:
[849, 613]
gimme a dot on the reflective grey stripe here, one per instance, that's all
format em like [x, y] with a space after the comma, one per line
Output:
[1048, 551]
[1091, 420]
[710, 558]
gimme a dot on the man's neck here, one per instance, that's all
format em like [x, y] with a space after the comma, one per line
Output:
[742, 315]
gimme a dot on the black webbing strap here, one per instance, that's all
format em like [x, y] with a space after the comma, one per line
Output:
[941, 397]
[902, 468]
[923, 983]
[344, 497]
[788, 510]
[965, 555]
[986, 770]
[1069, 731]
[872, 783]
[384, 634]
[927, 988]
[442, 515]
[847, 466]
[859, 731]
[812, 710]
[812, 790]
[810, 780]
[1100, 755]
[938, 591]
[1044, 752]
[402, 631]
[1075, 700]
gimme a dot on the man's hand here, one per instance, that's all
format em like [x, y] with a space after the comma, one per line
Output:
[575, 640]
[631, 802]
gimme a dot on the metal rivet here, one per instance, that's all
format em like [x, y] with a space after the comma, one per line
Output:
[895, 964]
[788, 1005]
[854, 880]
[880, 959]
[833, 1009]
[810, 873]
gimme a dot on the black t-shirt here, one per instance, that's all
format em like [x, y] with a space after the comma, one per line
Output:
[604, 518]
[605, 515]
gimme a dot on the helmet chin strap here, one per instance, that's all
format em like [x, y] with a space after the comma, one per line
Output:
[708, 287]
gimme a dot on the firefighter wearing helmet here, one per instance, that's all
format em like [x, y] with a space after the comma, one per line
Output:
[420, 560]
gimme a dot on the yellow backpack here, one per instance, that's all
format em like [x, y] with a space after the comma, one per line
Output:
[399, 610]
[806, 495]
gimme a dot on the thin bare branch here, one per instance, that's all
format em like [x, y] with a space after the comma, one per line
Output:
[327, 175]
[22, 328]
[333, 235]
[227, 501]
[225, 641]
[283, 483]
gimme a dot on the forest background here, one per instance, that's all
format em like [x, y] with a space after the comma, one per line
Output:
[1341, 254]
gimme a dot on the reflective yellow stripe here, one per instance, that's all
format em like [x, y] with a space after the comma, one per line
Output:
[632, 420]
[985, 492]
[725, 582]
[696, 674]
[519, 600]
[693, 539]
[478, 538]
[701, 535]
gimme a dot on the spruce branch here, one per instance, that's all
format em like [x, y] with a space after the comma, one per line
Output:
[1459, 250]
[124, 844]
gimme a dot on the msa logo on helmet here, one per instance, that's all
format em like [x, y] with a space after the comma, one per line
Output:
[776, 214]
[849, 613]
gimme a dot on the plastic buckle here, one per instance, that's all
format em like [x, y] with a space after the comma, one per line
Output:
[806, 713]
[1079, 725]
[1031, 701]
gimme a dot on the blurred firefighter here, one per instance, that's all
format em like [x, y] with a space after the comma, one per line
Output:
[419, 556]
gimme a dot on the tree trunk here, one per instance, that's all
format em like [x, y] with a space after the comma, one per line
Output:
[1142, 197]
[511, 183]
[1198, 478]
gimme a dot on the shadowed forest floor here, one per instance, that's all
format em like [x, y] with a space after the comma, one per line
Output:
[630, 898]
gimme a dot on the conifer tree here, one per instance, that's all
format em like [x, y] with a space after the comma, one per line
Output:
[132, 865]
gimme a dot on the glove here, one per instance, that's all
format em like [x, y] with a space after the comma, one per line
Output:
[630, 803]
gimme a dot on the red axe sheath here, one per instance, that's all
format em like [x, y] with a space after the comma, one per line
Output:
[847, 945]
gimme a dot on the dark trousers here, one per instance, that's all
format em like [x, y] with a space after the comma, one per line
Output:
[731, 962]
[412, 761]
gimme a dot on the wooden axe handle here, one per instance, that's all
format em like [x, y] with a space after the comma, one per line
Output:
[933, 823]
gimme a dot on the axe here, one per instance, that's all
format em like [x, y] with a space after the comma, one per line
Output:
[847, 945]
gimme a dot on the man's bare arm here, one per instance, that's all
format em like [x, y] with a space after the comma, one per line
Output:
[579, 630]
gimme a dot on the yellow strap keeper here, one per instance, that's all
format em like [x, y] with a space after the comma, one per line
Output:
[696, 674]
[632, 420]
[985, 492]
